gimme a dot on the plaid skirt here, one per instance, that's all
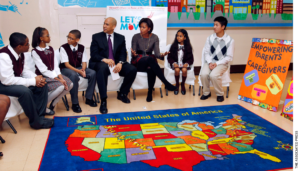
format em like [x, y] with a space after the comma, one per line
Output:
[53, 83]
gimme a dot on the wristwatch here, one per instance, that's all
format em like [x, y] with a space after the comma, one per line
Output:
[121, 62]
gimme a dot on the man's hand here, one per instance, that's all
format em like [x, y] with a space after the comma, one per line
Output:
[118, 68]
[40, 81]
[133, 52]
[110, 62]
[176, 65]
[212, 66]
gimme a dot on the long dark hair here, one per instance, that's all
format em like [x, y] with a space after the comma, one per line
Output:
[188, 49]
[37, 33]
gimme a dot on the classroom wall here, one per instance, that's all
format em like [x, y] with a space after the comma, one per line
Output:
[45, 13]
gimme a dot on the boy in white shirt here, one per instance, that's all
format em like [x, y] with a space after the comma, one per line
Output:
[18, 81]
[218, 52]
[74, 64]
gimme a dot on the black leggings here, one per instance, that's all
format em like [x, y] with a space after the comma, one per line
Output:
[149, 65]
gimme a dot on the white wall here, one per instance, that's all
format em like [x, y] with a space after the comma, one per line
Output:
[45, 13]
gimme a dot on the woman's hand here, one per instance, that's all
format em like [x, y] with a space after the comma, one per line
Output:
[133, 53]
[164, 54]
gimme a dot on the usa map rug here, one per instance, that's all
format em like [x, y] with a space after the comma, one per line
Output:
[225, 137]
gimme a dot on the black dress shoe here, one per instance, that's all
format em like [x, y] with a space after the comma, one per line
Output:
[76, 108]
[47, 123]
[92, 103]
[176, 92]
[123, 97]
[183, 92]
[203, 97]
[103, 107]
[170, 87]
[50, 113]
[220, 98]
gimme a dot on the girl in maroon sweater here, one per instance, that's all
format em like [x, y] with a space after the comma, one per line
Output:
[181, 57]
[47, 65]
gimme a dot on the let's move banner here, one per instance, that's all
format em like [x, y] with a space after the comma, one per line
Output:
[265, 72]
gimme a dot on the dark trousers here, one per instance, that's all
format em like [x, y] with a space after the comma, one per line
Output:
[32, 99]
[128, 71]
[149, 65]
[74, 77]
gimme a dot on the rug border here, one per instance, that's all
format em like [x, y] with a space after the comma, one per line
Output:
[281, 169]
[45, 148]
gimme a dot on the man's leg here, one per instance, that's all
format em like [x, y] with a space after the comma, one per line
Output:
[91, 76]
[102, 73]
[129, 73]
[216, 78]
[74, 77]
[33, 101]
[204, 76]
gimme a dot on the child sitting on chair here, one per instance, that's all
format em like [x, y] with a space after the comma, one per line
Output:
[47, 65]
[74, 64]
[218, 52]
[181, 58]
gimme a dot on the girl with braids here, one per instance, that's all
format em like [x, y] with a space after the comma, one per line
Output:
[47, 65]
[181, 58]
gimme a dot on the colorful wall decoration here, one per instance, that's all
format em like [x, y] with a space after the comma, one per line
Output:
[240, 13]
[102, 3]
[1, 41]
[265, 72]
[11, 7]
[288, 107]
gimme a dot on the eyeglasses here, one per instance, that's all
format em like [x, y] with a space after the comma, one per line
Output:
[70, 38]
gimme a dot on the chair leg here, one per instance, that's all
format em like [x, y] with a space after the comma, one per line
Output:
[193, 90]
[98, 99]
[11, 126]
[161, 93]
[94, 97]
[199, 91]
[227, 92]
[190, 87]
[2, 140]
[65, 100]
[133, 94]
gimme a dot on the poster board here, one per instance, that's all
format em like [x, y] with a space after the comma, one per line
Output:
[265, 72]
[287, 110]
[128, 18]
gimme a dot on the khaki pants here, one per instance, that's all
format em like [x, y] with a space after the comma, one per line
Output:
[215, 76]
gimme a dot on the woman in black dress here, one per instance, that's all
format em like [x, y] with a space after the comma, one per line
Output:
[142, 46]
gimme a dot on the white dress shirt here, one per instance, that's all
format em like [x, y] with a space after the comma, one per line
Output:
[7, 76]
[229, 54]
[64, 55]
[180, 56]
[42, 67]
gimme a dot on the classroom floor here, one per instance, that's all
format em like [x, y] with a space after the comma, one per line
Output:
[24, 150]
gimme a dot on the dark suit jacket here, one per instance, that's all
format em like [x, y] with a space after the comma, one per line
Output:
[99, 48]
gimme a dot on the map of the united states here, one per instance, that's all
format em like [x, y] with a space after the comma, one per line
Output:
[180, 145]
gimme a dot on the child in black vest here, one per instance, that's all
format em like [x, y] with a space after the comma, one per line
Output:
[47, 65]
[74, 64]
[181, 58]
[17, 80]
